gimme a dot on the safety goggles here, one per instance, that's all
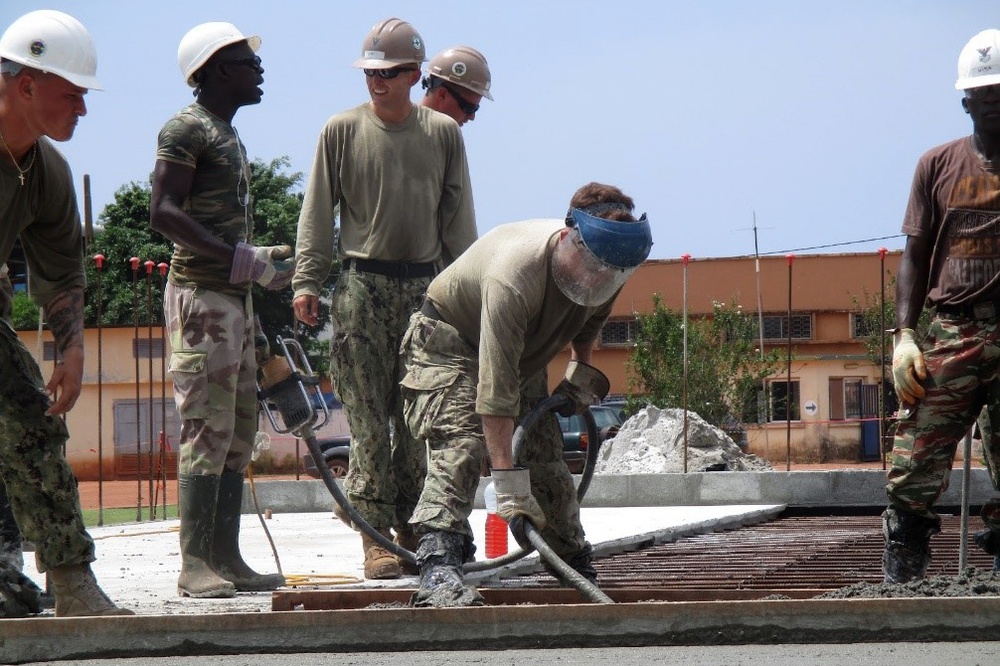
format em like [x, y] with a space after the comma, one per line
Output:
[388, 73]
[467, 107]
[253, 62]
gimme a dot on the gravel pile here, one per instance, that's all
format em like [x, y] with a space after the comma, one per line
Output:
[973, 582]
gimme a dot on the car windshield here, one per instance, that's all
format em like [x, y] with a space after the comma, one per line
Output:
[605, 417]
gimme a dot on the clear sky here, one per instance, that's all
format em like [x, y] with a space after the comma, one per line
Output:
[809, 115]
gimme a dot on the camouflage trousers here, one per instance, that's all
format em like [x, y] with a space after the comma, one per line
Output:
[963, 376]
[40, 484]
[215, 378]
[386, 468]
[439, 392]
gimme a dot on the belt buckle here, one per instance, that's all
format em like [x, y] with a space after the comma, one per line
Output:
[985, 310]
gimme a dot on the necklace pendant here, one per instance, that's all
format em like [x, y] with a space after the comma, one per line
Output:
[21, 177]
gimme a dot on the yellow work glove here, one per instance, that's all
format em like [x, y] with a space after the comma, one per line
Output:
[908, 366]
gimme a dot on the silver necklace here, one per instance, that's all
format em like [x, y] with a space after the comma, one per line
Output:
[21, 173]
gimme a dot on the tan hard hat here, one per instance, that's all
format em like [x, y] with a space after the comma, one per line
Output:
[464, 66]
[390, 43]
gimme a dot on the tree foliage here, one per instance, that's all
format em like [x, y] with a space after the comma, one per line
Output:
[725, 364]
[877, 318]
[128, 295]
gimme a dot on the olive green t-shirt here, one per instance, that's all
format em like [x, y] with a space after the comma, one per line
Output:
[501, 297]
[44, 213]
[403, 190]
[219, 198]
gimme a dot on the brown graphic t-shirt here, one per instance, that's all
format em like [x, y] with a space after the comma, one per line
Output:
[955, 200]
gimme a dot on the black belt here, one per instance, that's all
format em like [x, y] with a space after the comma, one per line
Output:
[428, 310]
[400, 270]
[983, 310]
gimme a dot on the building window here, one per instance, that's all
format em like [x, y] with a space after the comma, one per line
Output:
[619, 332]
[862, 326]
[782, 404]
[146, 348]
[776, 327]
[845, 398]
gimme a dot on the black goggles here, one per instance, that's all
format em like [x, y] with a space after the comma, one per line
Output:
[388, 73]
[467, 107]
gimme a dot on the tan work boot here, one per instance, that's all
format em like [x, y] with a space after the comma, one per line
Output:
[78, 594]
[406, 538]
[380, 564]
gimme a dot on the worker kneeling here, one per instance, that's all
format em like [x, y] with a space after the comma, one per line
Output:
[476, 355]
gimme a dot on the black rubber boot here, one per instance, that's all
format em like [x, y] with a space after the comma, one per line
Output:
[226, 558]
[989, 538]
[907, 545]
[19, 596]
[440, 556]
[197, 498]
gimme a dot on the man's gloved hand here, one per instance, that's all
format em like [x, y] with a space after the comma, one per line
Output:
[908, 366]
[583, 385]
[270, 266]
[515, 501]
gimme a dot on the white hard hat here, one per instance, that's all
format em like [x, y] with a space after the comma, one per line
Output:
[52, 42]
[979, 62]
[202, 41]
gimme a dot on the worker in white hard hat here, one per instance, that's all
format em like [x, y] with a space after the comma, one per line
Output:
[201, 201]
[476, 356]
[398, 174]
[457, 81]
[946, 376]
[47, 65]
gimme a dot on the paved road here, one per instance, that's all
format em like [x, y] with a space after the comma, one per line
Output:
[878, 654]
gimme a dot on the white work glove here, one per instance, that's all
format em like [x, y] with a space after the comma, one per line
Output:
[264, 265]
[908, 366]
[583, 385]
[515, 501]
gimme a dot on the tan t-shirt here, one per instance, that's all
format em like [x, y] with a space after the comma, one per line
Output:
[500, 295]
[955, 201]
[43, 212]
[404, 193]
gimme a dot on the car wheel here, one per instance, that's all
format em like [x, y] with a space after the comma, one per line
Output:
[338, 467]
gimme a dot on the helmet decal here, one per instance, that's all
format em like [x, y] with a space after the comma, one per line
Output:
[416, 42]
[984, 54]
[459, 69]
[37, 47]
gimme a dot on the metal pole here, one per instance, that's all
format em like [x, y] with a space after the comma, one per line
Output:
[149, 264]
[760, 331]
[881, 389]
[162, 266]
[99, 265]
[685, 258]
[788, 387]
[134, 261]
[966, 473]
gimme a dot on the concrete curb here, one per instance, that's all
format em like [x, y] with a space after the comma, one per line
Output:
[826, 488]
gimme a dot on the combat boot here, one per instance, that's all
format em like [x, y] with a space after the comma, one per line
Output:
[226, 558]
[407, 539]
[78, 594]
[989, 538]
[907, 551]
[197, 498]
[440, 557]
[380, 564]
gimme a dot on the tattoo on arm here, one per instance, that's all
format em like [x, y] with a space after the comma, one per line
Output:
[64, 314]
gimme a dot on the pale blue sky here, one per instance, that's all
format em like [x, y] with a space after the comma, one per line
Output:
[809, 114]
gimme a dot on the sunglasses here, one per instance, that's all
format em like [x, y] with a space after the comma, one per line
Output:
[388, 73]
[467, 107]
[252, 62]
[983, 92]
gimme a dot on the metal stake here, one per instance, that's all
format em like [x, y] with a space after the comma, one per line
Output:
[135, 353]
[99, 265]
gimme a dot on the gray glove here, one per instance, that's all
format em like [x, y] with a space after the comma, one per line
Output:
[264, 265]
[583, 385]
[514, 497]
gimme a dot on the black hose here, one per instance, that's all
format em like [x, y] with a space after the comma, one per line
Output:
[566, 572]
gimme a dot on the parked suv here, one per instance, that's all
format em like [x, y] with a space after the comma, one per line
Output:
[574, 431]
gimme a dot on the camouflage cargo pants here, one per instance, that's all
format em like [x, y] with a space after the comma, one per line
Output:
[370, 314]
[963, 375]
[439, 392]
[215, 378]
[40, 484]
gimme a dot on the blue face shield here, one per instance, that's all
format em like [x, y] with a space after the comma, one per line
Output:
[591, 279]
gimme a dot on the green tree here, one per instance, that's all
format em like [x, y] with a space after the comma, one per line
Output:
[876, 318]
[725, 364]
